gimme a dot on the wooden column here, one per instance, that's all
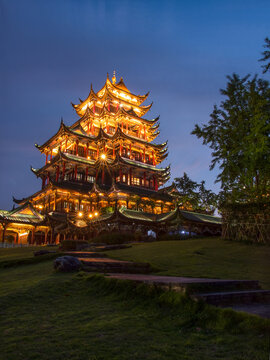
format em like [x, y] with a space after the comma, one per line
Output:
[156, 183]
[144, 155]
[51, 237]
[46, 161]
[4, 232]
[77, 145]
[63, 171]
[102, 175]
[57, 173]
[121, 175]
[144, 179]
[153, 156]
[92, 128]
[75, 173]
[130, 176]
[86, 174]
[54, 202]
[32, 236]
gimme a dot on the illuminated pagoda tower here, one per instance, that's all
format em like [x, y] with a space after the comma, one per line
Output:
[101, 174]
[105, 158]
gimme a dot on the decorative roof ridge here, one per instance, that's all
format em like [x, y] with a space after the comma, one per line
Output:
[144, 108]
[49, 163]
[140, 164]
[135, 138]
[95, 188]
[23, 206]
[121, 110]
[91, 94]
[116, 86]
[168, 188]
[31, 196]
[62, 127]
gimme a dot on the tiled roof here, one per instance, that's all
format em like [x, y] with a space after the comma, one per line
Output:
[25, 214]
[143, 192]
[198, 217]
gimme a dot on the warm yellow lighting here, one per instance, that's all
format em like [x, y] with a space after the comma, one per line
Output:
[22, 234]
[40, 206]
[80, 214]
[96, 213]
[55, 151]
[103, 156]
[90, 215]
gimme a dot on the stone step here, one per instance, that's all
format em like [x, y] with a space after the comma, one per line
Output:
[106, 265]
[85, 254]
[234, 297]
[191, 285]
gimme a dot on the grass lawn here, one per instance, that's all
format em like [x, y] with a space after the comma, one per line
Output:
[20, 253]
[46, 315]
[208, 257]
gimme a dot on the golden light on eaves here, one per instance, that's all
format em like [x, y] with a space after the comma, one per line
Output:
[24, 233]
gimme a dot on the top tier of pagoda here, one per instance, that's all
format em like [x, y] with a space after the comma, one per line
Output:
[113, 95]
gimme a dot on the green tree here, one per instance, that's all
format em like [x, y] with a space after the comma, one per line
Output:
[266, 55]
[208, 200]
[188, 195]
[195, 196]
[238, 132]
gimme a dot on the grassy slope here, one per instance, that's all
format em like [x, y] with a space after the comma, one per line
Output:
[210, 257]
[45, 315]
[20, 253]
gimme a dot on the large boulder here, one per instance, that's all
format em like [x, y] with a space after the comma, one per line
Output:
[67, 263]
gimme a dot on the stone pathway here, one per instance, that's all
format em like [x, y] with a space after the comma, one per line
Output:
[250, 299]
[241, 295]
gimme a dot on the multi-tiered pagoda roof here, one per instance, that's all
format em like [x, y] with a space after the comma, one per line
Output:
[102, 172]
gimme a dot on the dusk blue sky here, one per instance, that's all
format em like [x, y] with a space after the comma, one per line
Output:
[51, 51]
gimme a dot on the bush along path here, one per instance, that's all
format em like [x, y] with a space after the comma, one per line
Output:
[242, 295]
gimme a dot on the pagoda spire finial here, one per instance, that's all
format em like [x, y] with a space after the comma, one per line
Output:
[114, 77]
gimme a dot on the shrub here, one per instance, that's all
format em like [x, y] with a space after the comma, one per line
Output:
[70, 245]
[117, 238]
